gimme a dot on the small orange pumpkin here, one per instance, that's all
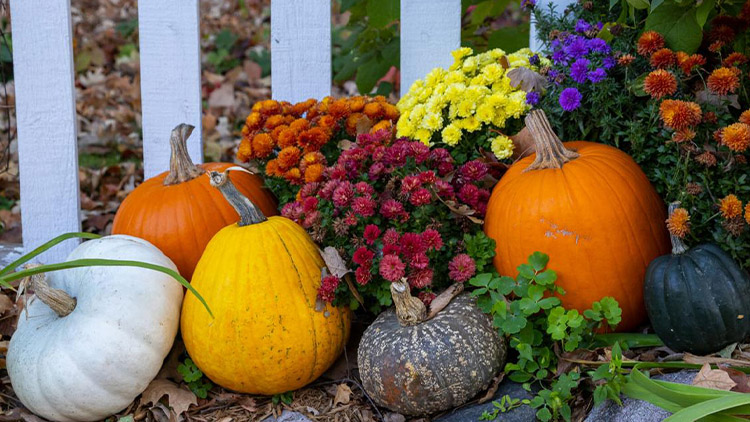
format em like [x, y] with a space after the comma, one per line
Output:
[179, 212]
[591, 208]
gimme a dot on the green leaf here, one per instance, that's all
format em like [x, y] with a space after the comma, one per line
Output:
[710, 407]
[347, 4]
[510, 38]
[369, 73]
[47, 245]
[639, 4]
[703, 10]
[612, 3]
[631, 340]
[538, 260]
[678, 24]
[546, 278]
[481, 280]
[655, 4]
[526, 271]
[514, 324]
[383, 12]
[544, 414]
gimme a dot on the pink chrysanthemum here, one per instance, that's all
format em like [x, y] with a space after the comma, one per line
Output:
[364, 206]
[412, 244]
[419, 261]
[343, 194]
[420, 196]
[473, 170]
[363, 275]
[421, 278]
[327, 290]
[391, 237]
[371, 233]
[432, 239]
[363, 256]
[469, 194]
[461, 268]
[391, 268]
[392, 209]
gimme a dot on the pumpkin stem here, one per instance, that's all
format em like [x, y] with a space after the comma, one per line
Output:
[409, 309]
[58, 300]
[550, 152]
[678, 246]
[249, 213]
[181, 167]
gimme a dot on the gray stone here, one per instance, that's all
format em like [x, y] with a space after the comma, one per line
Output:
[288, 416]
[637, 410]
[473, 412]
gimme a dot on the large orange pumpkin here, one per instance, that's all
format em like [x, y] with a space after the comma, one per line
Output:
[179, 212]
[591, 208]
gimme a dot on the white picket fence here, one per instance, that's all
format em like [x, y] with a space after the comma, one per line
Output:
[171, 86]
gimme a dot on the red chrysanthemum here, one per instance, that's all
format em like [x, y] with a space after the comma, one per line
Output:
[660, 83]
[689, 62]
[392, 268]
[662, 58]
[426, 297]
[677, 114]
[363, 275]
[735, 59]
[461, 268]
[371, 233]
[363, 256]
[421, 279]
[327, 290]
[736, 137]
[723, 81]
[432, 239]
[649, 42]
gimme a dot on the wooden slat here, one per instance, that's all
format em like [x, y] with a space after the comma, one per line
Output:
[534, 43]
[300, 49]
[170, 77]
[46, 119]
[430, 30]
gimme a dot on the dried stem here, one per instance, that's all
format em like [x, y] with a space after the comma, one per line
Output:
[409, 309]
[249, 213]
[550, 152]
[181, 167]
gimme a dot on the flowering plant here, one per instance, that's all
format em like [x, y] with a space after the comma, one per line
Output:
[682, 116]
[394, 210]
[471, 106]
[292, 143]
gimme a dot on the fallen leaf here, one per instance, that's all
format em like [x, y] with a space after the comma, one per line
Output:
[527, 79]
[705, 96]
[179, 399]
[222, 96]
[523, 144]
[5, 304]
[493, 388]
[364, 124]
[700, 360]
[343, 394]
[394, 417]
[717, 379]
[334, 262]
[742, 379]
[443, 299]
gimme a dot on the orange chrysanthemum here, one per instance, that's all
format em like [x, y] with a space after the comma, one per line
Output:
[357, 104]
[677, 114]
[313, 139]
[382, 125]
[315, 157]
[745, 117]
[245, 150]
[689, 62]
[254, 121]
[625, 60]
[262, 145]
[735, 59]
[288, 158]
[272, 169]
[277, 131]
[660, 83]
[390, 111]
[327, 122]
[314, 173]
[299, 125]
[683, 135]
[287, 138]
[351, 123]
[722, 33]
[747, 213]
[736, 137]
[300, 108]
[707, 158]
[649, 42]
[339, 109]
[662, 58]
[715, 46]
[723, 81]
[678, 222]
[730, 207]
[293, 176]
[273, 121]
[373, 110]
[268, 107]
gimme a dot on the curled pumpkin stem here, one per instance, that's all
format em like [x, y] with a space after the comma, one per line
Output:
[181, 167]
[248, 211]
[57, 300]
[550, 152]
[409, 309]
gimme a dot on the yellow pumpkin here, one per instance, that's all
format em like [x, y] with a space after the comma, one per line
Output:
[260, 278]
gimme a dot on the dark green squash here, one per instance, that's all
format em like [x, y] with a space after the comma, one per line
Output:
[415, 365]
[698, 300]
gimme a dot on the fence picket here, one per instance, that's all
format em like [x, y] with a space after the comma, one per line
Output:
[46, 121]
[169, 34]
[300, 49]
[430, 30]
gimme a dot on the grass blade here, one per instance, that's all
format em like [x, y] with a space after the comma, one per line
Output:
[632, 340]
[77, 263]
[29, 256]
[713, 407]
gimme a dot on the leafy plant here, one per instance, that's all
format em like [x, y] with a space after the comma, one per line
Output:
[286, 398]
[488, 24]
[194, 378]
[526, 310]
[221, 57]
[506, 404]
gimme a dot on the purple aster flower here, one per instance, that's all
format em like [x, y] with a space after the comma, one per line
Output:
[534, 60]
[559, 57]
[532, 98]
[608, 63]
[582, 26]
[599, 25]
[529, 4]
[599, 45]
[570, 99]
[597, 75]
[579, 70]
[577, 47]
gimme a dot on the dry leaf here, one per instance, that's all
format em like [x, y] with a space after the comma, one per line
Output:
[463, 210]
[443, 299]
[718, 379]
[5, 304]
[179, 399]
[503, 60]
[334, 262]
[523, 144]
[394, 417]
[364, 124]
[705, 96]
[343, 394]
[222, 97]
[742, 379]
[700, 360]
[527, 79]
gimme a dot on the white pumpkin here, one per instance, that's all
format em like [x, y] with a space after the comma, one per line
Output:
[96, 360]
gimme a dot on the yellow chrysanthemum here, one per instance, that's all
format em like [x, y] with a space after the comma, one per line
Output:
[451, 134]
[502, 147]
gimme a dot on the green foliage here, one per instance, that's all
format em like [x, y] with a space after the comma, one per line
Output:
[221, 58]
[286, 398]
[194, 378]
[527, 311]
[494, 24]
[679, 24]
[609, 378]
[506, 404]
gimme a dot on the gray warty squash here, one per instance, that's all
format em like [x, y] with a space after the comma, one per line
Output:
[416, 365]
